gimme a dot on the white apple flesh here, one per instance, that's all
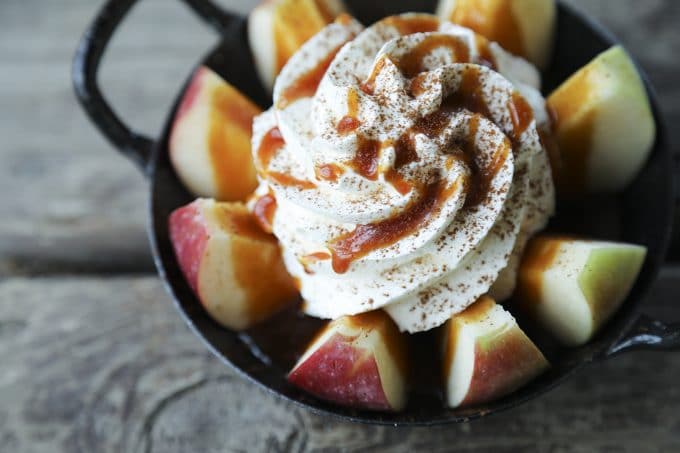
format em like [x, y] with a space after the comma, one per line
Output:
[603, 123]
[357, 361]
[571, 287]
[210, 140]
[234, 268]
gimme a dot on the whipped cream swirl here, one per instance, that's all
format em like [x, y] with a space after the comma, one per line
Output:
[406, 167]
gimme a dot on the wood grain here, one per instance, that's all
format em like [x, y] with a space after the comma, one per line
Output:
[104, 363]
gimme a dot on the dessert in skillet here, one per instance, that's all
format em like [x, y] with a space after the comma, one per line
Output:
[403, 176]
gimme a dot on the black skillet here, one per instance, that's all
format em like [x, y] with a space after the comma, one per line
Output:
[641, 215]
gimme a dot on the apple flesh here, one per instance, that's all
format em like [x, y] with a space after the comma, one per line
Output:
[234, 268]
[571, 286]
[487, 355]
[278, 28]
[357, 361]
[603, 123]
[522, 27]
[210, 139]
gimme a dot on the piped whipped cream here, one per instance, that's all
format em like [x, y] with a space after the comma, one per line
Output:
[406, 166]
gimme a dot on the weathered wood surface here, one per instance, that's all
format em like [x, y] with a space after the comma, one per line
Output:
[104, 363]
[69, 203]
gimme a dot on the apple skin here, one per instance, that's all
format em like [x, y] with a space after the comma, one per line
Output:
[571, 287]
[523, 27]
[234, 268]
[209, 143]
[487, 355]
[604, 125]
[278, 28]
[357, 361]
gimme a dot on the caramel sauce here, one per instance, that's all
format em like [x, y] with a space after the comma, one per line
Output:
[485, 57]
[494, 20]
[395, 341]
[271, 143]
[539, 255]
[343, 19]
[417, 87]
[396, 180]
[289, 181]
[410, 25]
[521, 114]
[469, 95]
[306, 84]
[230, 127]
[329, 172]
[413, 62]
[368, 85]
[349, 122]
[241, 222]
[365, 161]
[366, 238]
[264, 210]
[308, 259]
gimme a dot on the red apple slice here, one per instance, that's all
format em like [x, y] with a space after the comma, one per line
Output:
[523, 27]
[487, 355]
[571, 287]
[234, 268]
[278, 28]
[357, 361]
[210, 139]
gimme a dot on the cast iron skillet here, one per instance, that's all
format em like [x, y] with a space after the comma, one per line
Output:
[641, 215]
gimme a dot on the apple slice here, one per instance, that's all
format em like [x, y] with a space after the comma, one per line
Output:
[210, 139]
[487, 355]
[357, 361]
[278, 28]
[234, 268]
[604, 124]
[571, 286]
[522, 27]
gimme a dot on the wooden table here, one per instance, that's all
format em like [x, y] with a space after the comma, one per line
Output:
[93, 356]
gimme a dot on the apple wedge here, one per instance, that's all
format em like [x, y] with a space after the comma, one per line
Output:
[487, 355]
[278, 28]
[357, 361]
[234, 268]
[604, 124]
[522, 27]
[571, 286]
[210, 139]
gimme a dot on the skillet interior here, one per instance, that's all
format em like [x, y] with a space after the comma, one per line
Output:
[642, 215]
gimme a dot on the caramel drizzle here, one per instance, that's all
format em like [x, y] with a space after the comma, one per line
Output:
[329, 172]
[271, 143]
[285, 179]
[350, 122]
[365, 160]
[412, 63]
[411, 25]
[366, 238]
[307, 84]
[264, 210]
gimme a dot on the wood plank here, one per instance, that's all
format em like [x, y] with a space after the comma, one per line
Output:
[106, 364]
[65, 195]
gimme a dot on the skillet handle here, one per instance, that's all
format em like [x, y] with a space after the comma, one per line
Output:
[91, 48]
[648, 334]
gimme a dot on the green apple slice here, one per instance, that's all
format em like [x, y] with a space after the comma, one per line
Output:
[572, 286]
[487, 355]
[604, 124]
